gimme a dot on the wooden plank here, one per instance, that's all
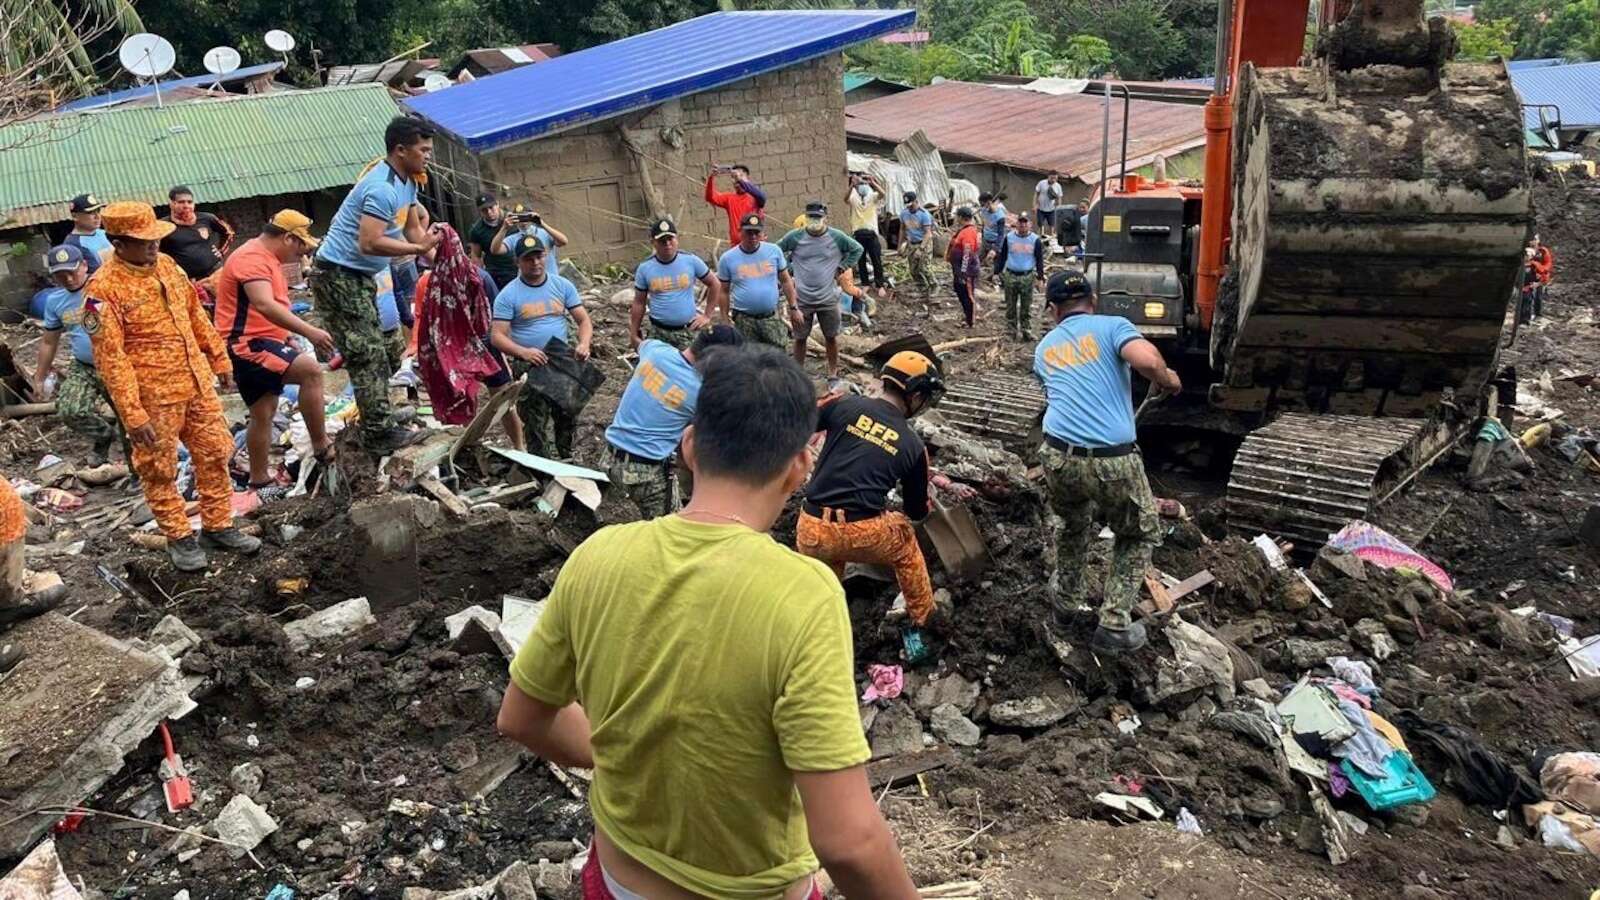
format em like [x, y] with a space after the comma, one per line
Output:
[18, 410]
[452, 504]
[1191, 584]
[1161, 599]
[488, 413]
[906, 765]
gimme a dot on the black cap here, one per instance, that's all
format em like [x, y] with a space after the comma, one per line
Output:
[909, 196]
[752, 222]
[964, 212]
[1068, 287]
[663, 227]
[717, 336]
[816, 209]
[529, 243]
[486, 200]
[86, 203]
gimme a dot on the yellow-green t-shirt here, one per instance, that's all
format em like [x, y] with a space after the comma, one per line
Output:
[712, 663]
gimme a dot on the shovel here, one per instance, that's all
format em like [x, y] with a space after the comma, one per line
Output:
[955, 537]
[174, 777]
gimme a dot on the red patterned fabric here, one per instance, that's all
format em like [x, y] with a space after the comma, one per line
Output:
[453, 351]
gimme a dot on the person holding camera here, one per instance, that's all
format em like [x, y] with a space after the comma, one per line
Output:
[521, 223]
[744, 199]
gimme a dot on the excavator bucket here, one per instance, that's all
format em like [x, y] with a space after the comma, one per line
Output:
[1381, 206]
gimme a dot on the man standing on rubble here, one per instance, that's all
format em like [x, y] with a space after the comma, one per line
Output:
[656, 407]
[1020, 259]
[745, 198]
[916, 233]
[871, 449]
[1540, 267]
[200, 240]
[161, 358]
[821, 258]
[255, 321]
[1091, 462]
[866, 203]
[752, 276]
[703, 738]
[992, 214]
[663, 287]
[528, 314]
[1046, 197]
[379, 220]
[82, 397]
[86, 234]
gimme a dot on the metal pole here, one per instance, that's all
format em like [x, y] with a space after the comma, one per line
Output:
[1105, 163]
[1127, 111]
[1221, 72]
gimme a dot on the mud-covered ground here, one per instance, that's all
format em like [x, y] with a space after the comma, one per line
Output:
[392, 714]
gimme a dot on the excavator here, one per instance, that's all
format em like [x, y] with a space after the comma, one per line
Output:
[1337, 287]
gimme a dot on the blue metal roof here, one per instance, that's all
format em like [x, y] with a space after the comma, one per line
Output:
[149, 90]
[1574, 89]
[641, 71]
[1534, 63]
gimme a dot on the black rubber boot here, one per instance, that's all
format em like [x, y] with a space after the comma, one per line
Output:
[391, 439]
[186, 554]
[231, 539]
[1111, 640]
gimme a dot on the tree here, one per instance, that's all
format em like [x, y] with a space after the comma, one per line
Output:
[1485, 39]
[950, 21]
[1085, 56]
[1548, 28]
[58, 36]
[1008, 41]
[1145, 43]
[942, 61]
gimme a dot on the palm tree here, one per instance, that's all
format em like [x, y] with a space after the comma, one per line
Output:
[49, 28]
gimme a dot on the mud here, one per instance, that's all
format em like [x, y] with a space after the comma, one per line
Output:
[392, 714]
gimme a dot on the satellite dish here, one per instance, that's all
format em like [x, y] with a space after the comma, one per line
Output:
[1550, 126]
[436, 81]
[147, 55]
[280, 40]
[221, 60]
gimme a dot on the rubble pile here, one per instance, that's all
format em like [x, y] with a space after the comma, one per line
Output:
[1308, 709]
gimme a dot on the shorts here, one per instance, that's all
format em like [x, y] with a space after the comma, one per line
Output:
[1047, 218]
[827, 316]
[258, 367]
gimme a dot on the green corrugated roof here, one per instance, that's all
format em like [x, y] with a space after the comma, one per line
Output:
[253, 146]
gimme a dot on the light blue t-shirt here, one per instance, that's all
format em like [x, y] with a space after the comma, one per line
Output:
[537, 312]
[388, 306]
[671, 287]
[382, 193]
[657, 404]
[994, 222]
[754, 277]
[96, 246]
[553, 258]
[64, 310]
[916, 224]
[1087, 384]
[1020, 251]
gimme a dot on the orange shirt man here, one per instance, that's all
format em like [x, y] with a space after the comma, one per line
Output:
[160, 358]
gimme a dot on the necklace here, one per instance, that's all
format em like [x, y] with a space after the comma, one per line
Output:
[706, 512]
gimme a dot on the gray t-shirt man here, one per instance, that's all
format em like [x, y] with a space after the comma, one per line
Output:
[815, 261]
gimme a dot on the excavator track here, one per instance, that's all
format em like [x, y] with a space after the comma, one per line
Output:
[1304, 477]
[997, 405]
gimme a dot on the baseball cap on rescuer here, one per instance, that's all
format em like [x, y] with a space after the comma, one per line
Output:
[64, 258]
[1068, 287]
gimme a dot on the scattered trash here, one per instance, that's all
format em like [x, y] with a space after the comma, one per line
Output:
[1382, 549]
[884, 683]
[337, 620]
[1187, 823]
[1403, 784]
[1130, 806]
[1573, 779]
[40, 876]
[1269, 549]
[243, 825]
[1582, 656]
[303, 682]
[175, 785]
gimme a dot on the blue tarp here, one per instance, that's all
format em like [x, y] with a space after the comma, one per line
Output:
[641, 71]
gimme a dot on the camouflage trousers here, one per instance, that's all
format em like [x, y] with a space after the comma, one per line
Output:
[547, 428]
[85, 406]
[649, 485]
[1019, 301]
[344, 302]
[677, 337]
[770, 330]
[1115, 491]
[917, 261]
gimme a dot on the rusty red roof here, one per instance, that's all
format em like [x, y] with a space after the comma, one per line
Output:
[1026, 129]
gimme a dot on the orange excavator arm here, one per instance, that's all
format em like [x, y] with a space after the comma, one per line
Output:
[1266, 33]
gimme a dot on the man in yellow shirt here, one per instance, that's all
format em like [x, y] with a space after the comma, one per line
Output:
[705, 672]
[866, 205]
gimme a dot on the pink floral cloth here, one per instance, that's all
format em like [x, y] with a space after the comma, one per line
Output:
[453, 353]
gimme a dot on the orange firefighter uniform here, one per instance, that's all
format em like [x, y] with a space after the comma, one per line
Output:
[159, 356]
[13, 526]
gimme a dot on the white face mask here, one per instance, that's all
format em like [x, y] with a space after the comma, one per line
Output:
[863, 190]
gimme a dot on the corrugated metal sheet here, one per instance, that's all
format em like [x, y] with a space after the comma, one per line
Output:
[1024, 129]
[149, 90]
[225, 149]
[641, 71]
[1574, 88]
